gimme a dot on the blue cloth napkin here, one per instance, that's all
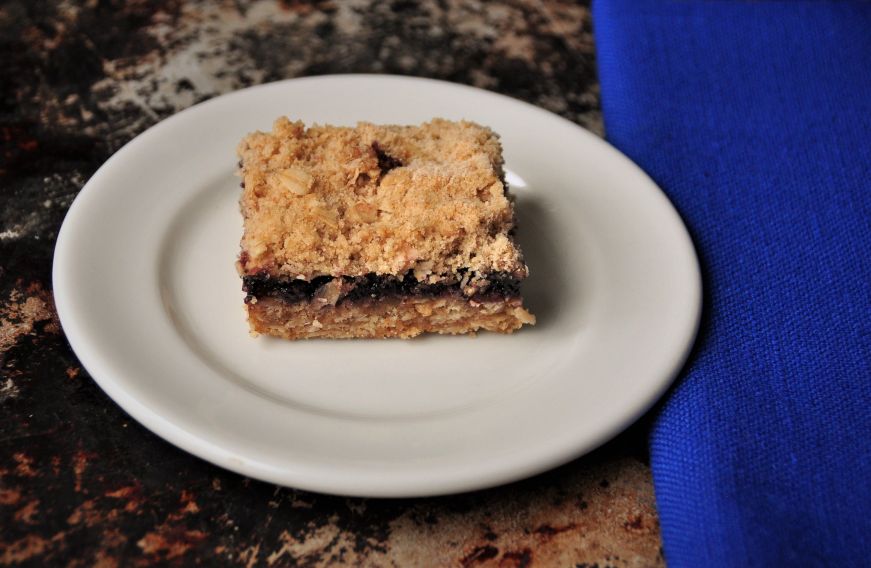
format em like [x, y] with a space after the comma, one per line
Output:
[755, 118]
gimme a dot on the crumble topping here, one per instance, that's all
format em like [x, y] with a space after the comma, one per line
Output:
[370, 199]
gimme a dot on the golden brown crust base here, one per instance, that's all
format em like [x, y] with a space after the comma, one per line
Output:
[328, 200]
[395, 317]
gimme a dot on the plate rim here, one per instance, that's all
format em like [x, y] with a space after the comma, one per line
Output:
[89, 354]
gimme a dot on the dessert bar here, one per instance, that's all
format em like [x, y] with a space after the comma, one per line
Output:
[378, 231]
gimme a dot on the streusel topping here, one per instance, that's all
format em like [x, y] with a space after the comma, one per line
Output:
[328, 200]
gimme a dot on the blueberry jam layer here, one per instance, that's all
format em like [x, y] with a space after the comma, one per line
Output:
[492, 287]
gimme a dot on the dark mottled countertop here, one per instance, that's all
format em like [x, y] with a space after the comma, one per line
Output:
[83, 485]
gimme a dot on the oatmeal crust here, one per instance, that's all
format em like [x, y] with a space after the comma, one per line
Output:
[391, 317]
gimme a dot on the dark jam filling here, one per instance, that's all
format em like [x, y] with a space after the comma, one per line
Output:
[386, 162]
[497, 286]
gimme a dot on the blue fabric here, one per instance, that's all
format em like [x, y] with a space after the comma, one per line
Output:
[755, 118]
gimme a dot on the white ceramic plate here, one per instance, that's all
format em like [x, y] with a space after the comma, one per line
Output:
[149, 298]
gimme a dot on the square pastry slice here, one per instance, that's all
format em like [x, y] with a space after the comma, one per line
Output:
[378, 231]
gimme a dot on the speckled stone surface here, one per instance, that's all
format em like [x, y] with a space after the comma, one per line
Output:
[83, 485]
